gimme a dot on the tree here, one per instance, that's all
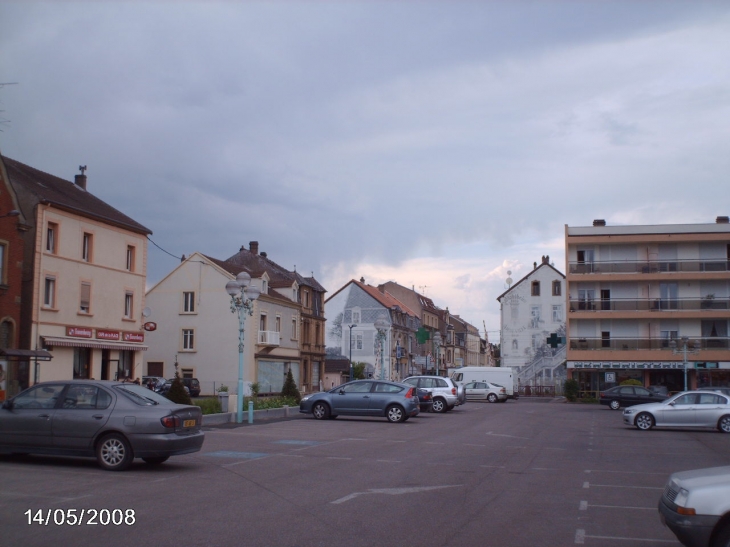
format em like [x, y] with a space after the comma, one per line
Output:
[571, 390]
[177, 393]
[290, 388]
[358, 370]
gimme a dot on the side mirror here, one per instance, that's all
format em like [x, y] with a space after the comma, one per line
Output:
[341, 392]
[8, 405]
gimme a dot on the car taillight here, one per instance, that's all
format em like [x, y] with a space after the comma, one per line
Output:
[170, 421]
[503, 390]
[409, 394]
[453, 391]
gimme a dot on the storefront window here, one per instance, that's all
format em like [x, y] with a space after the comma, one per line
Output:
[82, 363]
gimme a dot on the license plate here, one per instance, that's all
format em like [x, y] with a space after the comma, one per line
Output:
[189, 423]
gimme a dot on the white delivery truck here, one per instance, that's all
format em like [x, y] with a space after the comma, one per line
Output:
[496, 375]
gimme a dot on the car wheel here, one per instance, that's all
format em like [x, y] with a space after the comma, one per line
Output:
[321, 411]
[156, 460]
[114, 453]
[492, 398]
[394, 413]
[724, 424]
[644, 421]
[615, 404]
[439, 405]
[722, 538]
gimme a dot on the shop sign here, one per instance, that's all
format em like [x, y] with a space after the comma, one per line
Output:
[78, 332]
[133, 336]
[623, 365]
[102, 334]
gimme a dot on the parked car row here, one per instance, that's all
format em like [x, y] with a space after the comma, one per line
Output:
[396, 401]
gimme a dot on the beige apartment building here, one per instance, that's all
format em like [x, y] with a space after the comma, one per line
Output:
[650, 303]
[84, 273]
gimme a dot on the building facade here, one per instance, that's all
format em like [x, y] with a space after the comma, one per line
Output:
[197, 334]
[650, 303]
[355, 310]
[84, 274]
[532, 310]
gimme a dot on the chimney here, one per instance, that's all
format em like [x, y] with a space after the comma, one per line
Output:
[362, 280]
[254, 247]
[80, 180]
[546, 259]
[599, 222]
[723, 220]
[264, 255]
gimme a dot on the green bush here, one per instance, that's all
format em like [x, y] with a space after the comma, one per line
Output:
[273, 402]
[209, 405]
[631, 382]
[290, 388]
[177, 393]
[571, 390]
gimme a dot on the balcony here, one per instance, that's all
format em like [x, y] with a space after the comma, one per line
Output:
[269, 338]
[650, 304]
[629, 344]
[644, 266]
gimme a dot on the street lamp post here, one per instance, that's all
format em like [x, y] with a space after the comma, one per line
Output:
[242, 295]
[684, 350]
[381, 325]
[437, 343]
[351, 371]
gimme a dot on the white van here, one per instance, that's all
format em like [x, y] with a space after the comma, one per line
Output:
[497, 375]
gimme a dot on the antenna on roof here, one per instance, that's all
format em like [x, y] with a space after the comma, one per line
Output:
[423, 289]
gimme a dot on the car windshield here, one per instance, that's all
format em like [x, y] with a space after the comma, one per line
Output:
[142, 395]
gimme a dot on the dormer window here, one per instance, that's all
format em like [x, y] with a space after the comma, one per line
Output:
[535, 288]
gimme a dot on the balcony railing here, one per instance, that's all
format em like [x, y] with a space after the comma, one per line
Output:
[650, 304]
[643, 266]
[625, 344]
[269, 337]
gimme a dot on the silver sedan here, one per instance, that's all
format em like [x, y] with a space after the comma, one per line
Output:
[485, 391]
[112, 421]
[696, 409]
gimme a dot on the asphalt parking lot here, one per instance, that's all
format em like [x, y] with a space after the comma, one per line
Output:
[519, 474]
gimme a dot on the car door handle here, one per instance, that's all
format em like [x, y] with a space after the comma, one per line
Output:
[46, 416]
[98, 416]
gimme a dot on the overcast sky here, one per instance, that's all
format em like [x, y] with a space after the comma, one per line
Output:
[436, 144]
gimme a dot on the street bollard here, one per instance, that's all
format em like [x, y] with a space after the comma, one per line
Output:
[250, 412]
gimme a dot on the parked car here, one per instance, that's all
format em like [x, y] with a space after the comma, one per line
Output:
[687, 409]
[153, 382]
[660, 390]
[112, 421]
[446, 394]
[192, 385]
[695, 505]
[425, 400]
[397, 402]
[623, 396]
[485, 391]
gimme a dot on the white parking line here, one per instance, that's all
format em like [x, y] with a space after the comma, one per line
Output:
[582, 537]
[586, 485]
[626, 472]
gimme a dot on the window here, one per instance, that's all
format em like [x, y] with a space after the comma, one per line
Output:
[86, 247]
[557, 288]
[128, 305]
[264, 287]
[262, 322]
[358, 341]
[535, 288]
[130, 257]
[51, 237]
[585, 299]
[557, 314]
[535, 314]
[294, 328]
[85, 300]
[605, 339]
[82, 363]
[3, 269]
[188, 339]
[356, 316]
[306, 299]
[278, 323]
[188, 302]
[49, 292]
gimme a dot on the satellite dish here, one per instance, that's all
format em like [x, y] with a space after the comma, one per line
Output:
[146, 312]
